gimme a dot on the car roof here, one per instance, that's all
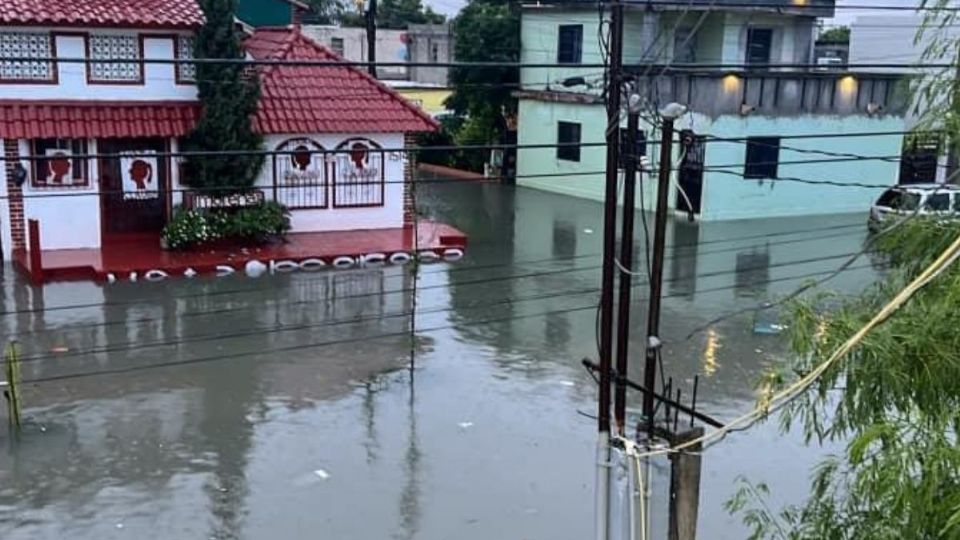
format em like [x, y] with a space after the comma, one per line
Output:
[923, 188]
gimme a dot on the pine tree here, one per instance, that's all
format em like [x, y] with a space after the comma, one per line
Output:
[228, 94]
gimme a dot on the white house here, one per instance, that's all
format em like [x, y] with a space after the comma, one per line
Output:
[57, 117]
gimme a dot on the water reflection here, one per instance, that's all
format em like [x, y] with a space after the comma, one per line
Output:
[753, 272]
[682, 280]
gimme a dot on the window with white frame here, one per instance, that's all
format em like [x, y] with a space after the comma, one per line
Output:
[186, 72]
[26, 45]
[115, 47]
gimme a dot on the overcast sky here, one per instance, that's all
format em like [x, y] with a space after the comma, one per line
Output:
[447, 7]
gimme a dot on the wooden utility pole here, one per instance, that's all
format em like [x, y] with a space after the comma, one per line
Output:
[669, 114]
[630, 159]
[685, 487]
[372, 38]
[613, 91]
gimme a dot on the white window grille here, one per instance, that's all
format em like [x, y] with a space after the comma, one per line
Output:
[26, 45]
[112, 46]
[186, 72]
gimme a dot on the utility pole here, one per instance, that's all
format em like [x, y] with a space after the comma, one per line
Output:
[626, 261]
[613, 91]
[372, 38]
[668, 115]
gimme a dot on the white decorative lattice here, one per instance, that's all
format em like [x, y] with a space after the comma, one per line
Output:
[25, 45]
[110, 46]
[185, 44]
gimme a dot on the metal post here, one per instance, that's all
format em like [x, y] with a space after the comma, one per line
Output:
[372, 38]
[626, 261]
[656, 275]
[606, 285]
[35, 255]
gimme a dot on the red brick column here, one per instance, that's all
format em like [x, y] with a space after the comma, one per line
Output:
[11, 152]
[409, 167]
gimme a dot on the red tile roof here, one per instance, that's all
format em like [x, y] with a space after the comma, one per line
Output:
[92, 119]
[335, 99]
[103, 13]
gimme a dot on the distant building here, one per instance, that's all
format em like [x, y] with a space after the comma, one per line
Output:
[418, 44]
[890, 39]
[261, 13]
[831, 54]
[738, 151]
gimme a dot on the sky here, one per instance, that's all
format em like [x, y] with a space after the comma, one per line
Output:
[447, 7]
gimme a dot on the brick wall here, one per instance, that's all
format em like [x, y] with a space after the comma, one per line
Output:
[409, 169]
[11, 152]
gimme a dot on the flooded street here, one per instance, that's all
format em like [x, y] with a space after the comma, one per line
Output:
[283, 407]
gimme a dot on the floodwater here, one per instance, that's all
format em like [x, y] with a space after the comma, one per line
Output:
[283, 407]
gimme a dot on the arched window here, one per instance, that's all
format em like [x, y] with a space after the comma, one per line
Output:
[358, 175]
[300, 174]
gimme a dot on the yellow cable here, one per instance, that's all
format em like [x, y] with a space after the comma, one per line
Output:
[948, 257]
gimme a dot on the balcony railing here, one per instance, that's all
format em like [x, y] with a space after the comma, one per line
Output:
[777, 93]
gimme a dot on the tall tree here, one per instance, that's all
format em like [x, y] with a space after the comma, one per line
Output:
[401, 13]
[228, 95]
[485, 31]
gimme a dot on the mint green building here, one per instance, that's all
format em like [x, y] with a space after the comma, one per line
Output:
[748, 133]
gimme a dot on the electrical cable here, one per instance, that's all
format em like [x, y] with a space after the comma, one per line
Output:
[783, 397]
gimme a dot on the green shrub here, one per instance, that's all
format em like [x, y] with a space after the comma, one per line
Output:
[188, 228]
[259, 223]
[255, 224]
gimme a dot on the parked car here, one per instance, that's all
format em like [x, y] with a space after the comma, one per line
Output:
[925, 199]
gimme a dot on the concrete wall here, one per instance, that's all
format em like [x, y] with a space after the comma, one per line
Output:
[725, 196]
[730, 196]
[391, 46]
[424, 40]
[159, 79]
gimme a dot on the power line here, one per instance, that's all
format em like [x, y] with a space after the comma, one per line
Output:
[677, 66]
[233, 292]
[292, 348]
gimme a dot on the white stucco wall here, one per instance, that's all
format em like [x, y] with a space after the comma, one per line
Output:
[159, 79]
[389, 215]
[69, 218]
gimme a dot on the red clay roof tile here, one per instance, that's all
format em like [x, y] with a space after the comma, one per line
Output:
[320, 99]
[103, 13]
[86, 119]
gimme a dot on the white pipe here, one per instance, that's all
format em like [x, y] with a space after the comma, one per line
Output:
[603, 486]
[632, 487]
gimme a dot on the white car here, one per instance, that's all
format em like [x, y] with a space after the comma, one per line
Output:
[923, 199]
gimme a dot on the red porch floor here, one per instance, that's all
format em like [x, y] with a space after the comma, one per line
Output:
[141, 256]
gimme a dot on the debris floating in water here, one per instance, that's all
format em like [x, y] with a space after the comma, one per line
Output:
[465, 425]
[321, 474]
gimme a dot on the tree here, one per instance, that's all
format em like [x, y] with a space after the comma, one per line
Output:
[327, 11]
[485, 31]
[895, 400]
[228, 94]
[401, 13]
[837, 34]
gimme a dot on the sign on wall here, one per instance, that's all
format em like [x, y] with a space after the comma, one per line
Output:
[58, 167]
[140, 176]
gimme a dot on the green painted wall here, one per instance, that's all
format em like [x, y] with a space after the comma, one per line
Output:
[265, 12]
[725, 195]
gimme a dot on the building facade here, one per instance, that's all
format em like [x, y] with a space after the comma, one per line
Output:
[425, 86]
[90, 147]
[754, 100]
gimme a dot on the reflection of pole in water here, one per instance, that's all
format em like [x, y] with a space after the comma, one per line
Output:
[371, 443]
[410, 496]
